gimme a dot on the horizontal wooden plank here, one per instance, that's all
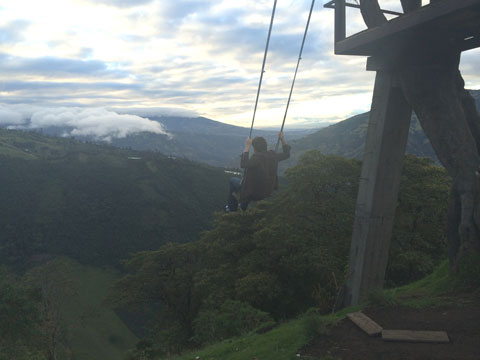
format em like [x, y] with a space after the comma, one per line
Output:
[365, 323]
[331, 5]
[454, 16]
[415, 336]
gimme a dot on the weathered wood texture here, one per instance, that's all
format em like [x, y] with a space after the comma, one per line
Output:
[372, 13]
[416, 57]
[415, 336]
[411, 5]
[365, 323]
[340, 26]
[455, 19]
[378, 190]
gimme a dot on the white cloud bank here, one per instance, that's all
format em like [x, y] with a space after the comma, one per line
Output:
[99, 123]
[201, 56]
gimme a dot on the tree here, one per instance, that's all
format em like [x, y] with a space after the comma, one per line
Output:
[19, 320]
[418, 239]
[165, 279]
[432, 84]
[53, 281]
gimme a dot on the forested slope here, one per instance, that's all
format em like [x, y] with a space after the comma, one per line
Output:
[98, 203]
[282, 256]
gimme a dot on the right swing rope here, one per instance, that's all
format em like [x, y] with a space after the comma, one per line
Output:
[295, 75]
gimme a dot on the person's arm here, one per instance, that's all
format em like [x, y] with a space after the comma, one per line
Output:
[245, 161]
[248, 142]
[285, 147]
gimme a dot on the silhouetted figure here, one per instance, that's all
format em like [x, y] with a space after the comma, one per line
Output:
[260, 178]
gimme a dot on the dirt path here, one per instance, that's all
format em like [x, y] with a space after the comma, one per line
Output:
[461, 322]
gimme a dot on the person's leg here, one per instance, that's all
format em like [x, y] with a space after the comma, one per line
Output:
[234, 188]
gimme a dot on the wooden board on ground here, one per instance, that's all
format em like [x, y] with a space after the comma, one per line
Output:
[415, 336]
[365, 323]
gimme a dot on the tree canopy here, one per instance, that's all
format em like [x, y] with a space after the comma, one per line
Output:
[98, 204]
[283, 255]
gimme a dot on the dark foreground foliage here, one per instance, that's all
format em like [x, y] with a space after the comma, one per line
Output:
[282, 256]
[97, 204]
[20, 321]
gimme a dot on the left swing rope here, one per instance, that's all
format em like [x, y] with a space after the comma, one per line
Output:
[263, 66]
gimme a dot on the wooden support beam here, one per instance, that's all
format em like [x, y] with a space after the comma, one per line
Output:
[378, 189]
[340, 22]
[396, 32]
[415, 336]
[377, 63]
[331, 5]
[365, 323]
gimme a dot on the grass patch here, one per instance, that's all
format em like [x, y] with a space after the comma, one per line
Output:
[92, 329]
[439, 282]
[93, 322]
[281, 343]
[442, 286]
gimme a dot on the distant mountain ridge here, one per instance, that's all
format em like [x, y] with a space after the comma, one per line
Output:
[198, 125]
[347, 138]
[200, 139]
[215, 143]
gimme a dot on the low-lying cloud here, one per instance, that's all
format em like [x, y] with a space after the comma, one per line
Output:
[99, 123]
[204, 56]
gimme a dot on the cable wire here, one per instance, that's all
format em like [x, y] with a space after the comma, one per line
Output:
[296, 70]
[263, 66]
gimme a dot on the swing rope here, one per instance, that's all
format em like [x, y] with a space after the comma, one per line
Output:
[263, 66]
[295, 75]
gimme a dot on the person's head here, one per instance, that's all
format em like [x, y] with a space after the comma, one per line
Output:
[259, 144]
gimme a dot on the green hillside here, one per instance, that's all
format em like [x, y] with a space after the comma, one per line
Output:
[197, 139]
[98, 203]
[88, 327]
[192, 278]
[31, 145]
[282, 256]
[60, 310]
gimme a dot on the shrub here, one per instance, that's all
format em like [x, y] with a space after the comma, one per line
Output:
[233, 318]
[314, 326]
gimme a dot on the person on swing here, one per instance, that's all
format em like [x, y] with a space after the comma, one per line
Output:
[260, 173]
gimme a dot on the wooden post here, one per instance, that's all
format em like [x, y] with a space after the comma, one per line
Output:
[340, 24]
[378, 190]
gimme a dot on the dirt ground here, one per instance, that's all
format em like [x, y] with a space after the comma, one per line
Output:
[461, 322]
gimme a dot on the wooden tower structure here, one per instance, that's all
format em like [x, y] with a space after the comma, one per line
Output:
[456, 22]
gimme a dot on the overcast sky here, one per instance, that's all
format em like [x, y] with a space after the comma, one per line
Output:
[88, 58]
